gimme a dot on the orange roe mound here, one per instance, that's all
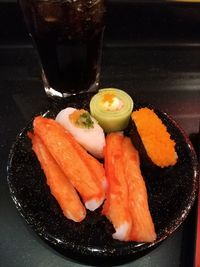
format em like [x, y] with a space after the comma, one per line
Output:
[154, 135]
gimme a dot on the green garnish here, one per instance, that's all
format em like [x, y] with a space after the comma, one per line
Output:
[85, 121]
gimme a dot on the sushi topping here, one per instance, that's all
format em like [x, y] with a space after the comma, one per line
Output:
[111, 102]
[84, 128]
[157, 142]
[81, 118]
[126, 204]
[81, 169]
[112, 108]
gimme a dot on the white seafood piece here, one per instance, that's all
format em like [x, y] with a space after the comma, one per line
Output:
[92, 139]
[121, 231]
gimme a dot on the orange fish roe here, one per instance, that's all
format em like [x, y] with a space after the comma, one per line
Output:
[76, 115]
[154, 135]
[109, 97]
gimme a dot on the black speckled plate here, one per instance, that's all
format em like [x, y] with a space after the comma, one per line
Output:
[171, 192]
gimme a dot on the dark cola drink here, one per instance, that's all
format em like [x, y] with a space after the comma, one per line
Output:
[68, 37]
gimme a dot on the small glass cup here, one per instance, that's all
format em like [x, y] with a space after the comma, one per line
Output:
[68, 36]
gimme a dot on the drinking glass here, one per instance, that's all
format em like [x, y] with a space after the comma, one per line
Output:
[68, 36]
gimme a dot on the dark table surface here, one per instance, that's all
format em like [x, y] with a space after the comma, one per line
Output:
[141, 55]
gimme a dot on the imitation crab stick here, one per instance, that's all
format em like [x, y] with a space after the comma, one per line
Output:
[67, 157]
[60, 187]
[142, 225]
[116, 205]
[93, 164]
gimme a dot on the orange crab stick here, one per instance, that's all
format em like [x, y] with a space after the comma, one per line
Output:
[93, 164]
[55, 139]
[116, 205]
[60, 187]
[142, 225]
